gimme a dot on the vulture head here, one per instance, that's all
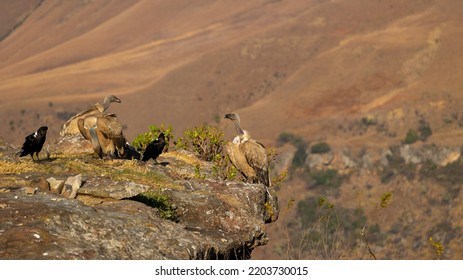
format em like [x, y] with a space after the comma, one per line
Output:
[232, 116]
[112, 98]
[108, 100]
[236, 120]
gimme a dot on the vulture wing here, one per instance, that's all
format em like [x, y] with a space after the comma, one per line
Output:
[256, 156]
[111, 129]
[238, 159]
[70, 126]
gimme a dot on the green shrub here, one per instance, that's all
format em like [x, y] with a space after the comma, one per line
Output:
[299, 158]
[142, 140]
[296, 141]
[223, 169]
[385, 200]
[423, 133]
[329, 178]
[159, 201]
[285, 137]
[411, 137]
[206, 141]
[369, 120]
[198, 174]
[300, 144]
[181, 144]
[425, 130]
[320, 148]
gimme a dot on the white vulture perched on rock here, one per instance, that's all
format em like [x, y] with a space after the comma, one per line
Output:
[70, 126]
[249, 156]
[105, 133]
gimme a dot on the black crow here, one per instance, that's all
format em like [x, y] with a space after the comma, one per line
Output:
[130, 152]
[34, 143]
[154, 149]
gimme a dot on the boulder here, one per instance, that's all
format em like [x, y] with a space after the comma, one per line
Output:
[56, 186]
[436, 154]
[129, 209]
[319, 160]
[71, 144]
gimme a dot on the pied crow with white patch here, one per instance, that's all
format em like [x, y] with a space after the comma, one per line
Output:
[34, 143]
[154, 148]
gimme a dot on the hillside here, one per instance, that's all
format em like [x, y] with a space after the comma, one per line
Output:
[285, 65]
[356, 74]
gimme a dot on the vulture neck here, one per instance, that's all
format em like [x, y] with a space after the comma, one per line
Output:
[237, 127]
[106, 102]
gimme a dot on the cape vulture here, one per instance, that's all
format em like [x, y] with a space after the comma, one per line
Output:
[70, 126]
[248, 156]
[105, 133]
[238, 159]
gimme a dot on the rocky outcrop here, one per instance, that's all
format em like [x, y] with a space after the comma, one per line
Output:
[319, 159]
[119, 210]
[70, 144]
[436, 154]
[345, 160]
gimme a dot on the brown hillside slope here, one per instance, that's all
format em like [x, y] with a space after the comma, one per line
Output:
[303, 67]
[390, 67]
[86, 55]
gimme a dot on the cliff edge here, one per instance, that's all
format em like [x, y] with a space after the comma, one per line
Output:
[73, 206]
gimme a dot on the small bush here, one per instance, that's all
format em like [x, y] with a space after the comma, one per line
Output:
[181, 144]
[424, 129]
[142, 140]
[385, 200]
[198, 174]
[223, 169]
[206, 141]
[436, 246]
[278, 180]
[299, 158]
[411, 137]
[320, 148]
[296, 141]
[159, 201]
[285, 137]
[423, 133]
[369, 120]
[329, 178]
[301, 146]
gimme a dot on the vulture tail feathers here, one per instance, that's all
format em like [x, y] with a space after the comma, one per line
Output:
[95, 142]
